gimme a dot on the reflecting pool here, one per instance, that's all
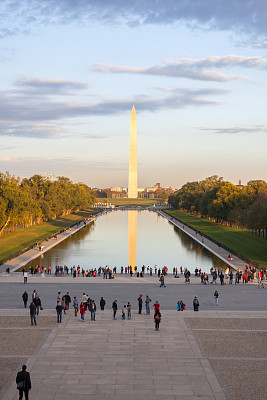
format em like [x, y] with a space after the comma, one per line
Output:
[122, 238]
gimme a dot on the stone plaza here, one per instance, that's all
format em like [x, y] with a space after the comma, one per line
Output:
[217, 353]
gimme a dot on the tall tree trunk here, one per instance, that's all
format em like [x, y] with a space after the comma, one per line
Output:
[5, 224]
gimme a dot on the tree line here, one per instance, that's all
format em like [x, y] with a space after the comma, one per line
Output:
[221, 201]
[31, 201]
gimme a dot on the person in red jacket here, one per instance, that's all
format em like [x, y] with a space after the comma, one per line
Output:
[156, 306]
[82, 311]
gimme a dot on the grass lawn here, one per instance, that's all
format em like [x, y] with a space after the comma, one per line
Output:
[135, 202]
[15, 242]
[242, 243]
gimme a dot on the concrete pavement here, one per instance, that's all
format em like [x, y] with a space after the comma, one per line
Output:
[115, 360]
[124, 288]
[209, 355]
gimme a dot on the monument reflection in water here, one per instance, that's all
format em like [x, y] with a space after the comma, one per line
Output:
[132, 237]
[122, 238]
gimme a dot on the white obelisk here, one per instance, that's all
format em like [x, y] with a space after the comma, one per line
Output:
[132, 184]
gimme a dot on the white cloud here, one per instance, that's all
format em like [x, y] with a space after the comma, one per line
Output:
[191, 68]
[238, 15]
[236, 130]
[51, 86]
[24, 116]
[11, 159]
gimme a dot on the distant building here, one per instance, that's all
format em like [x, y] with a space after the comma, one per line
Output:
[239, 184]
[48, 176]
[153, 192]
[116, 193]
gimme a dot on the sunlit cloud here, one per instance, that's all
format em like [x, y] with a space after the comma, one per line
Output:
[24, 116]
[8, 148]
[52, 86]
[13, 159]
[66, 163]
[260, 43]
[196, 69]
[237, 130]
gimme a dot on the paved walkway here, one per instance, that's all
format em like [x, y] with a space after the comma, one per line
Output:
[220, 252]
[206, 355]
[118, 360]
[124, 288]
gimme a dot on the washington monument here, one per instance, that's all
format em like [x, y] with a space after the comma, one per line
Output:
[132, 183]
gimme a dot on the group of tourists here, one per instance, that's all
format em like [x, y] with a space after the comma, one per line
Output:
[106, 271]
[239, 276]
[35, 305]
[63, 303]
[88, 304]
[180, 306]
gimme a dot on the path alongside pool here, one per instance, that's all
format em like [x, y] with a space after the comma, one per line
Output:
[220, 252]
[31, 254]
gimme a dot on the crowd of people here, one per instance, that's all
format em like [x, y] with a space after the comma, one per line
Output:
[106, 272]
[246, 276]
[86, 304]
[63, 303]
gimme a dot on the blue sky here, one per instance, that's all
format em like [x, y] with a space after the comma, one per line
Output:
[196, 72]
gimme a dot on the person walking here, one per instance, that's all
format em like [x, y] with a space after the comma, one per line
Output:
[157, 319]
[147, 301]
[216, 296]
[114, 308]
[33, 313]
[195, 303]
[38, 304]
[59, 312]
[162, 281]
[58, 297]
[82, 311]
[129, 308]
[63, 304]
[23, 381]
[25, 298]
[222, 278]
[140, 303]
[102, 304]
[123, 312]
[67, 300]
[76, 306]
[25, 276]
[84, 300]
[34, 293]
[92, 309]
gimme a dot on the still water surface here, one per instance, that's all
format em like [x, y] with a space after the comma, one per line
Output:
[122, 238]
